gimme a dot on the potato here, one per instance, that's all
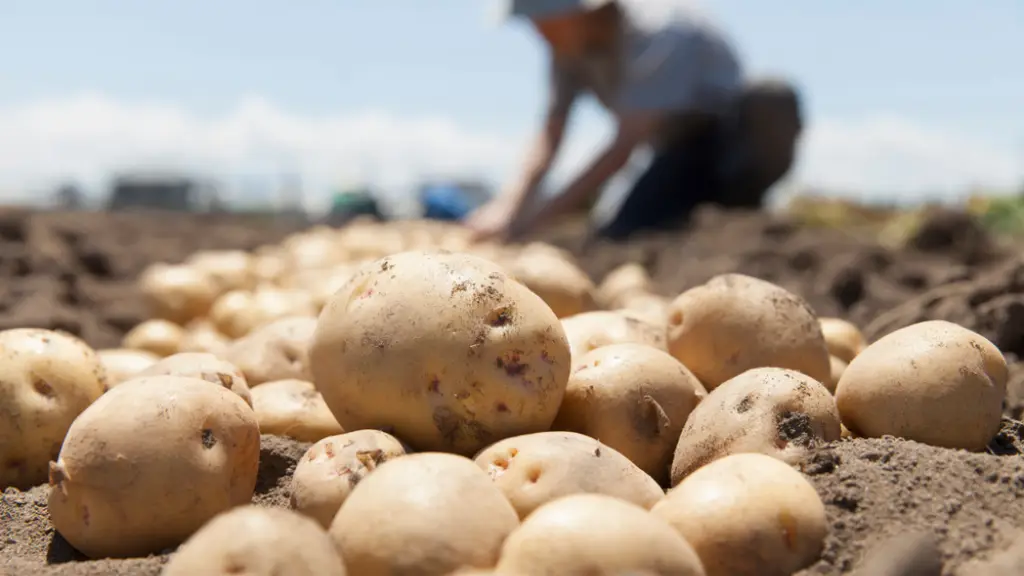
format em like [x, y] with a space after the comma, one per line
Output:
[635, 399]
[557, 280]
[843, 339]
[160, 337]
[331, 468]
[623, 282]
[591, 330]
[205, 367]
[203, 336]
[227, 269]
[933, 382]
[293, 408]
[436, 512]
[257, 541]
[586, 534]
[837, 367]
[773, 411]
[537, 468]
[748, 515]
[122, 364]
[238, 313]
[275, 351]
[47, 379]
[444, 349]
[177, 292]
[734, 323]
[149, 463]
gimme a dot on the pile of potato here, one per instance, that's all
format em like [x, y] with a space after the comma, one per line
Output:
[472, 409]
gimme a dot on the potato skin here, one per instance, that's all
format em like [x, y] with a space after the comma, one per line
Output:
[735, 322]
[444, 349]
[334, 466]
[555, 278]
[149, 463]
[275, 351]
[442, 512]
[47, 379]
[636, 399]
[536, 468]
[773, 411]
[295, 409]
[257, 541]
[934, 382]
[748, 515]
[178, 293]
[585, 534]
[203, 366]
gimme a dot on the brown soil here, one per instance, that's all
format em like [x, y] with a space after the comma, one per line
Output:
[75, 272]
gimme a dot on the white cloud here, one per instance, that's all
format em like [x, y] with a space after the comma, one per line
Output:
[88, 137]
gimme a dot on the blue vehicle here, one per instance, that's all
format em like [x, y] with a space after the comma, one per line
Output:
[452, 200]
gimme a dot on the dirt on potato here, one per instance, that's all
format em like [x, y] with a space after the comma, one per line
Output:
[76, 272]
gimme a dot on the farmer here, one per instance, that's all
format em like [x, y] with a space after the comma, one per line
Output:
[690, 127]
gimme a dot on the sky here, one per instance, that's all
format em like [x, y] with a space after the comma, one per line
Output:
[908, 100]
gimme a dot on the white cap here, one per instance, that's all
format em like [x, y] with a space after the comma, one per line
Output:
[539, 9]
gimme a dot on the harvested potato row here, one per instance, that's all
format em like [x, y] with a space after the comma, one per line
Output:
[47, 379]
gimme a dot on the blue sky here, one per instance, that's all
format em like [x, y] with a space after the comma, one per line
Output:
[907, 97]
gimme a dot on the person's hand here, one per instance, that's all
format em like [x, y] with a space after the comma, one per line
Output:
[492, 221]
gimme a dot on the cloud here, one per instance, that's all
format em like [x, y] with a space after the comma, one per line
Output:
[89, 137]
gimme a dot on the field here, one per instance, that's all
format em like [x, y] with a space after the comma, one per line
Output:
[76, 273]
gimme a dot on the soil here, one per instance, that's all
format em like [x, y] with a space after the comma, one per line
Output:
[75, 272]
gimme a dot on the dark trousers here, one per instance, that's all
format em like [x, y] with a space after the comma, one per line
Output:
[732, 162]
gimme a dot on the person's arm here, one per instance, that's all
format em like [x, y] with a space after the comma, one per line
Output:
[544, 148]
[633, 130]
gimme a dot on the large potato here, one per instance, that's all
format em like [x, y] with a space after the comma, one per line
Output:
[734, 323]
[257, 541]
[276, 351]
[47, 379]
[587, 534]
[178, 293]
[556, 279]
[295, 409]
[160, 337]
[149, 463]
[591, 330]
[773, 411]
[435, 513]
[444, 349]
[624, 282]
[748, 515]
[227, 269]
[934, 382]
[843, 339]
[635, 399]
[122, 364]
[331, 468]
[203, 366]
[537, 468]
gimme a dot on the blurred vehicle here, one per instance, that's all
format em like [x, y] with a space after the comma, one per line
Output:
[452, 200]
[348, 205]
[174, 192]
[70, 197]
